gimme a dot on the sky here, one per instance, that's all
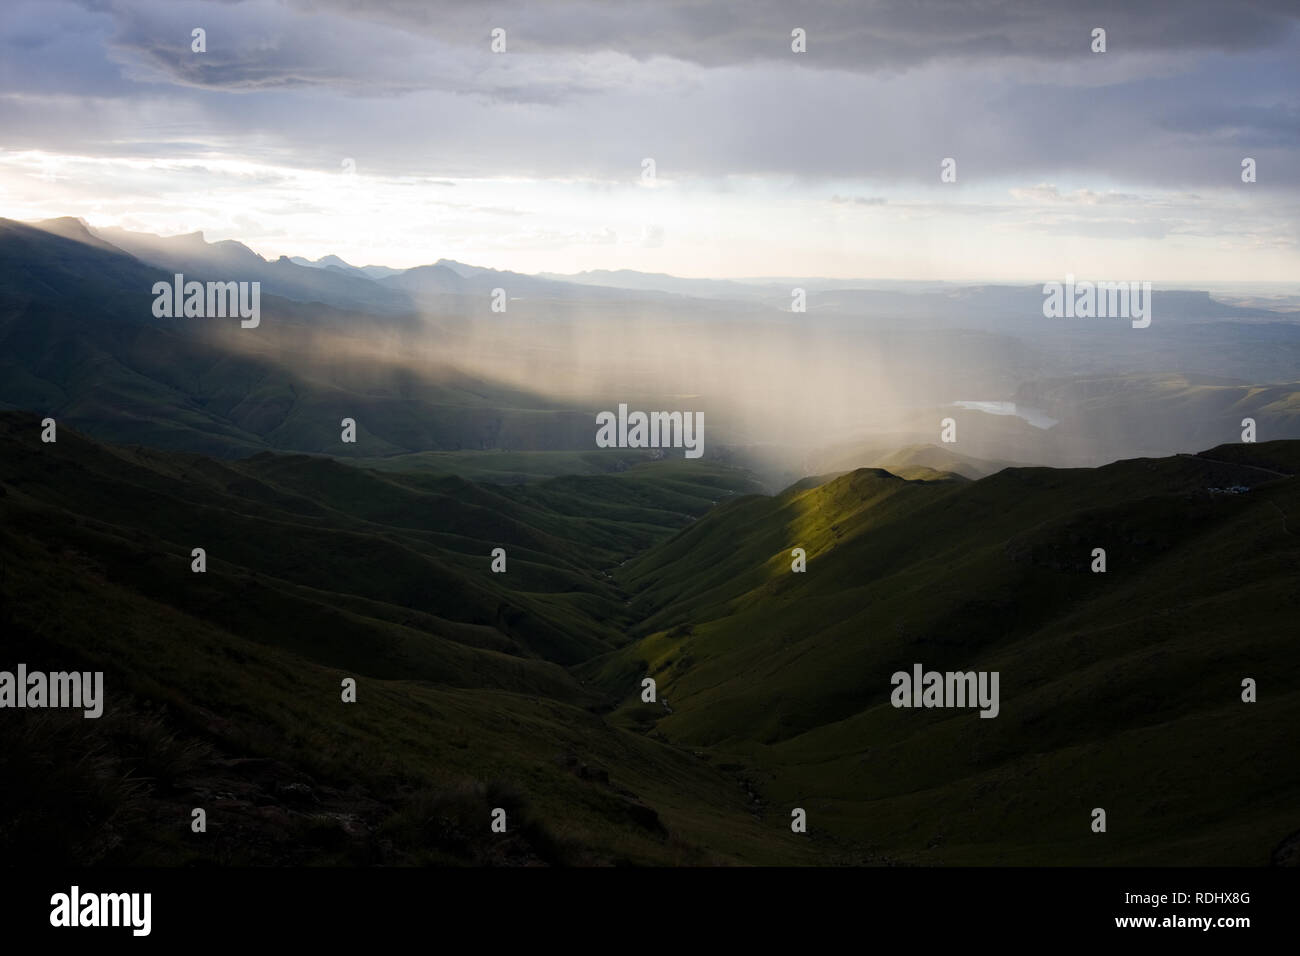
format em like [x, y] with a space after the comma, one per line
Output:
[390, 132]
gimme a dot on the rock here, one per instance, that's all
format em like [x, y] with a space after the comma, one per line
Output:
[296, 793]
[647, 818]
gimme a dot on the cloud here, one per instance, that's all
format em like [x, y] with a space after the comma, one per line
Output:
[1048, 193]
[885, 35]
[1145, 140]
[710, 89]
[560, 49]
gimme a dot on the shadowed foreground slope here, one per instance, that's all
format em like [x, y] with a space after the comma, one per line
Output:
[521, 690]
[223, 688]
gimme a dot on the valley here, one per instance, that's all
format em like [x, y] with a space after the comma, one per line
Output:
[428, 593]
[523, 690]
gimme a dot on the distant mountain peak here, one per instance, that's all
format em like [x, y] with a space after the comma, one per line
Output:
[333, 263]
[626, 272]
[65, 224]
[459, 268]
[74, 228]
[62, 219]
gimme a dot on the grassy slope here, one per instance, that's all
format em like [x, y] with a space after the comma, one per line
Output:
[78, 341]
[508, 467]
[1118, 690]
[318, 571]
[936, 458]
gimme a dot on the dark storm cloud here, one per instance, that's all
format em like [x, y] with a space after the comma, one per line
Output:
[393, 46]
[1278, 125]
[1011, 90]
[860, 37]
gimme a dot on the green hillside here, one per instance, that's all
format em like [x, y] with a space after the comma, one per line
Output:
[1118, 690]
[224, 686]
[522, 690]
[78, 341]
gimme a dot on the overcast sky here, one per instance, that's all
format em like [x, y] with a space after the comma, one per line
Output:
[389, 132]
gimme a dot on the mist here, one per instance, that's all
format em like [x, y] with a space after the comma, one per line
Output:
[794, 394]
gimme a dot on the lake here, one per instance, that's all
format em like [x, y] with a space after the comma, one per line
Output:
[1034, 416]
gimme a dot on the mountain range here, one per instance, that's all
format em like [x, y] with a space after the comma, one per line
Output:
[524, 689]
[501, 590]
[422, 363]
